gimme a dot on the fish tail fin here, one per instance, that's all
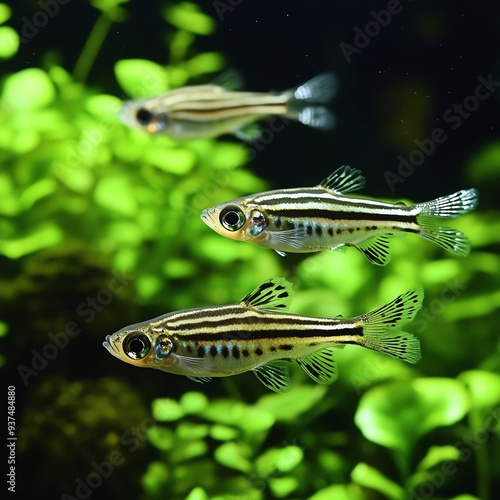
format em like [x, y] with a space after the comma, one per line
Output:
[305, 100]
[444, 236]
[445, 207]
[453, 205]
[381, 331]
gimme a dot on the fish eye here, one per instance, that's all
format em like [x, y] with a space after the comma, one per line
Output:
[232, 218]
[136, 345]
[144, 116]
[164, 346]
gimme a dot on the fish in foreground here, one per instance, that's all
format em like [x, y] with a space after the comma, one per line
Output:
[210, 110]
[256, 335]
[323, 217]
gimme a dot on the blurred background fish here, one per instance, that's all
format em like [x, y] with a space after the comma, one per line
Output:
[211, 110]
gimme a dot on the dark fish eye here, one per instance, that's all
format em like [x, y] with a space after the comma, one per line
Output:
[144, 116]
[164, 346]
[136, 345]
[232, 218]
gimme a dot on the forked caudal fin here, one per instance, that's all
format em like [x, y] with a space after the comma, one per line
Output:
[381, 330]
[445, 207]
[305, 99]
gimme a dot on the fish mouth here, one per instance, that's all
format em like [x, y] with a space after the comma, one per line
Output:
[207, 216]
[109, 346]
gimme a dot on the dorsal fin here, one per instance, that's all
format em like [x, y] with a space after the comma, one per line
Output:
[344, 180]
[273, 295]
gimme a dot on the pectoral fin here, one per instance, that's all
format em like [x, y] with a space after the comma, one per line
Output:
[275, 376]
[200, 380]
[320, 366]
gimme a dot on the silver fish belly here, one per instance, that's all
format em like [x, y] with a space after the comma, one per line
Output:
[257, 335]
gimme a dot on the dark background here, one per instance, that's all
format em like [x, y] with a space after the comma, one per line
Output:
[393, 92]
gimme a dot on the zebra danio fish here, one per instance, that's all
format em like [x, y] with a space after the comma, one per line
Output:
[323, 217]
[203, 111]
[257, 334]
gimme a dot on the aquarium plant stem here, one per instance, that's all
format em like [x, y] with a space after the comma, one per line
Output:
[91, 48]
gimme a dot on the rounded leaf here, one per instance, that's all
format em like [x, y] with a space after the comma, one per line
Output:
[396, 415]
[28, 89]
[141, 78]
[9, 42]
[483, 387]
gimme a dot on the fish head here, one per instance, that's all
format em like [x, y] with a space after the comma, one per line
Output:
[139, 346]
[145, 114]
[237, 220]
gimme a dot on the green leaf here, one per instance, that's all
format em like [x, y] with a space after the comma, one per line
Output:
[28, 89]
[233, 456]
[166, 410]
[483, 387]
[279, 459]
[9, 42]
[281, 487]
[187, 16]
[5, 13]
[197, 494]
[288, 406]
[161, 437]
[369, 477]
[46, 235]
[208, 62]
[339, 492]
[441, 456]
[175, 161]
[193, 402]
[116, 194]
[141, 78]
[223, 432]
[155, 478]
[396, 415]
[438, 454]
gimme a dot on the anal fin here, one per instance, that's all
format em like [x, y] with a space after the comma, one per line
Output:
[376, 250]
[320, 366]
[200, 380]
[275, 376]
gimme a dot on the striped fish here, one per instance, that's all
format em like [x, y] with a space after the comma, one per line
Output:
[210, 110]
[256, 335]
[322, 217]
